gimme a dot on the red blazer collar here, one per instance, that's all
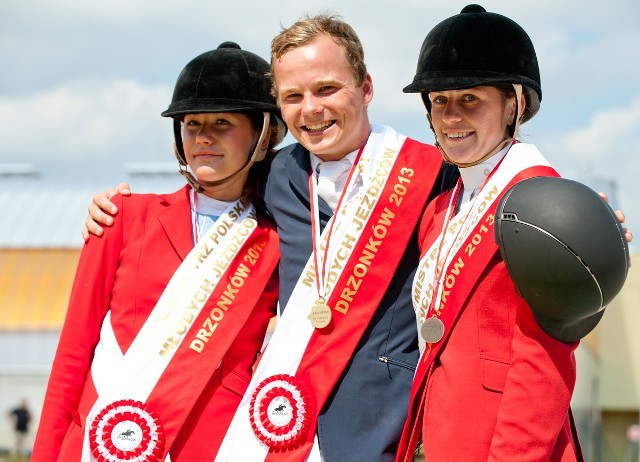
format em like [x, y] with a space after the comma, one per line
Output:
[178, 211]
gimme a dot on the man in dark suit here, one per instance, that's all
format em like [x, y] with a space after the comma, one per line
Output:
[358, 386]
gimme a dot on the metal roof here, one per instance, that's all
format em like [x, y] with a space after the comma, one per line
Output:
[42, 213]
[44, 206]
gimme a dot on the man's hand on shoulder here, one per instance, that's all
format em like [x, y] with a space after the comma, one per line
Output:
[101, 210]
[620, 216]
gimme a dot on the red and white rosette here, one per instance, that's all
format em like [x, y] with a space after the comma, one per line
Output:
[280, 412]
[126, 430]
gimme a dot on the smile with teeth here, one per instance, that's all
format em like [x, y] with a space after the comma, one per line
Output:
[457, 134]
[319, 127]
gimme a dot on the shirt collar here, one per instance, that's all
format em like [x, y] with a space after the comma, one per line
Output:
[473, 177]
[316, 161]
[210, 206]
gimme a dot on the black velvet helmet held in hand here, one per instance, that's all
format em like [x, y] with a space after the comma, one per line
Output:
[477, 48]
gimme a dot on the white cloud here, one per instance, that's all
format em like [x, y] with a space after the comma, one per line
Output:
[610, 135]
[86, 120]
[604, 154]
[89, 79]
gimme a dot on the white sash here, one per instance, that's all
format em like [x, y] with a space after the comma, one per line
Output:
[519, 157]
[294, 329]
[135, 374]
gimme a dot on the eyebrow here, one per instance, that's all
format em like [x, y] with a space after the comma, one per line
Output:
[319, 83]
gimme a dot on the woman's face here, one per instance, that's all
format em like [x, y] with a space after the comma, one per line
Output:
[217, 145]
[471, 122]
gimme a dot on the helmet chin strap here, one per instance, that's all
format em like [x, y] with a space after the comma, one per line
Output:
[259, 154]
[519, 110]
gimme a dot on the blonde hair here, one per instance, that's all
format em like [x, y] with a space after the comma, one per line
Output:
[310, 27]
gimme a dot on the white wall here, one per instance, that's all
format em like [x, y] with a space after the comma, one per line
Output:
[24, 371]
[14, 388]
[619, 346]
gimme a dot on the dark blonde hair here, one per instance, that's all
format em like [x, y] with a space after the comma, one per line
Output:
[310, 27]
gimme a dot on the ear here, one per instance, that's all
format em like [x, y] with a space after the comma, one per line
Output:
[513, 107]
[367, 89]
[523, 103]
[264, 145]
[511, 110]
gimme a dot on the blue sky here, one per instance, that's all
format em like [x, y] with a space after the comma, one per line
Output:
[83, 83]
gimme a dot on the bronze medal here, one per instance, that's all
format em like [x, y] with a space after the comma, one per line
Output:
[432, 330]
[320, 315]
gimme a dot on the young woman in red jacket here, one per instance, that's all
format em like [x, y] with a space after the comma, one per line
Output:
[494, 381]
[170, 306]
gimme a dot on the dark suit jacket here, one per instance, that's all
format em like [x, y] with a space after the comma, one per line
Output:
[363, 418]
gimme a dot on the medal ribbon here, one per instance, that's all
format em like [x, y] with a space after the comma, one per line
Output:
[471, 251]
[451, 242]
[370, 237]
[168, 345]
[321, 266]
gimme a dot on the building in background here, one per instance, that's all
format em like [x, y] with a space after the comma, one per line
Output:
[43, 211]
[606, 402]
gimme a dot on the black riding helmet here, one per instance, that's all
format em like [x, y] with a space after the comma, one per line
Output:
[567, 267]
[477, 48]
[565, 252]
[227, 79]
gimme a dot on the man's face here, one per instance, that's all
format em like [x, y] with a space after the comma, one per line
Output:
[321, 104]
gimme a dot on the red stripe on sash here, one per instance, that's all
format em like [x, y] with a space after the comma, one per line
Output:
[378, 253]
[189, 371]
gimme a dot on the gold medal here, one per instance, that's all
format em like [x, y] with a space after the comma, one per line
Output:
[320, 315]
[432, 330]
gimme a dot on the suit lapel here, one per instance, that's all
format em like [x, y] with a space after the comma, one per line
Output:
[178, 210]
[297, 166]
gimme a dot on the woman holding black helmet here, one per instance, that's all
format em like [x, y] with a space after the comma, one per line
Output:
[170, 307]
[492, 384]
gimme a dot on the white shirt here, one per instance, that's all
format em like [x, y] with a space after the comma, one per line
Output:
[474, 177]
[340, 182]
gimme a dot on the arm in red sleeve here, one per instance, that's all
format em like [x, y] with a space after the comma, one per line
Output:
[88, 305]
[537, 393]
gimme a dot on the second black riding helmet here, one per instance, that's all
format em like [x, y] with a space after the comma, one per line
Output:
[227, 79]
[473, 48]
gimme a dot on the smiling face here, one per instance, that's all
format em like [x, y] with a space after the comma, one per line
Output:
[471, 122]
[321, 103]
[217, 145]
